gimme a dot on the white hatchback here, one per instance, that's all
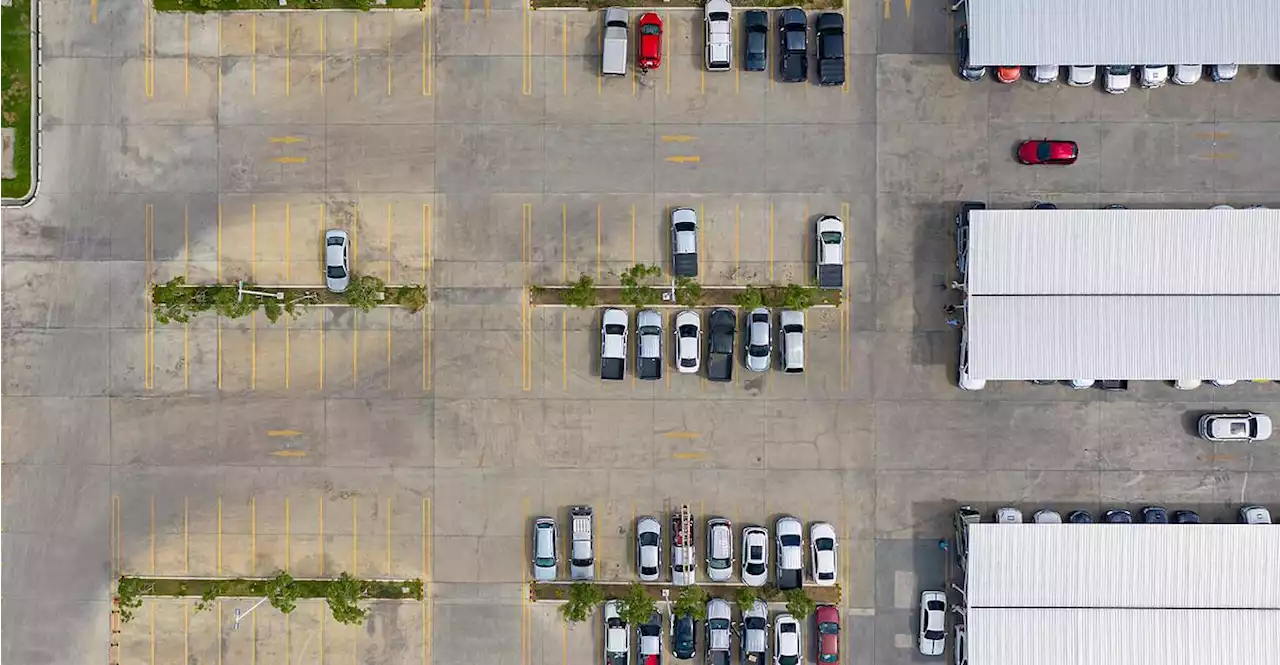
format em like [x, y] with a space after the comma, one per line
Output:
[791, 339]
[1242, 426]
[1154, 76]
[337, 270]
[1045, 73]
[933, 623]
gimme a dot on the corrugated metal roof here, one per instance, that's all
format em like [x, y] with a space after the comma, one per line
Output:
[1056, 252]
[1123, 566]
[1123, 32]
[1123, 637]
[1123, 337]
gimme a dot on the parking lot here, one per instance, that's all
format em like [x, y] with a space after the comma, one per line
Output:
[475, 148]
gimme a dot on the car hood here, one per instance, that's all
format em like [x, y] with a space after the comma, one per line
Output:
[1264, 428]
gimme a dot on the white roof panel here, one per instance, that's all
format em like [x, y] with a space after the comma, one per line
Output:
[1153, 566]
[1061, 252]
[1122, 637]
[1123, 32]
[1123, 337]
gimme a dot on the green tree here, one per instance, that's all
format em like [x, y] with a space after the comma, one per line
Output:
[364, 292]
[691, 601]
[636, 288]
[795, 296]
[211, 593]
[129, 593]
[637, 606]
[750, 298]
[343, 595]
[799, 604]
[746, 598]
[172, 300]
[412, 297]
[688, 292]
[582, 293]
[281, 592]
[583, 599]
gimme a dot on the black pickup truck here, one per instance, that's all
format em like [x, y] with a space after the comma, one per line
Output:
[830, 48]
[723, 324]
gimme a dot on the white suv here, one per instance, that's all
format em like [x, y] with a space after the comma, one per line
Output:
[718, 15]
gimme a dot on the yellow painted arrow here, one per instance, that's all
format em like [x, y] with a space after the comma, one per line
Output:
[677, 138]
[283, 432]
[681, 435]
[687, 456]
[290, 160]
[685, 159]
[287, 139]
[289, 453]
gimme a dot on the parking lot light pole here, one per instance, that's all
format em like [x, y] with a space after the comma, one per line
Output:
[235, 624]
[240, 291]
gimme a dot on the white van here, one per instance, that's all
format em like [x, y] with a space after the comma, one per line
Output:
[613, 60]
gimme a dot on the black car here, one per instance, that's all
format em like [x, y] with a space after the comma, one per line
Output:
[1119, 516]
[722, 324]
[1079, 517]
[962, 57]
[793, 27]
[830, 48]
[756, 24]
[1042, 205]
[1185, 517]
[683, 640]
[1155, 515]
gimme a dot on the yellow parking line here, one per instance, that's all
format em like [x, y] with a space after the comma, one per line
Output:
[466, 11]
[887, 11]
[486, 8]
[428, 52]
[93, 11]
[564, 57]
[908, 5]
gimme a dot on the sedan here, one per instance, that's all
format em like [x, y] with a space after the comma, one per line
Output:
[1186, 74]
[1229, 427]
[786, 640]
[1079, 517]
[759, 340]
[648, 345]
[1155, 515]
[1154, 76]
[688, 342]
[683, 640]
[962, 57]
[755, 556]
[1045, 73]
[933, 623]
[793, 65]
[617, 636]
[822, 551]
[337, 272]
[1119, 516]
[651, 640]
[1255, 515]
[648, 548]
[1045, 151]
[1223, 73]
[1046, 516]
[828, 619]
[649, 46]
[1081, 76]
[756, 49]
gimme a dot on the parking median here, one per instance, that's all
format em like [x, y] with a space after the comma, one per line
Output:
[559, 591]
[790, 296]
[201, 6]
[177, 301]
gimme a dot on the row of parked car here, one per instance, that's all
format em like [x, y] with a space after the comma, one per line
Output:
[1116, 79]
[1149, 515]
[788, 545]
[793, 36]
[722, 330]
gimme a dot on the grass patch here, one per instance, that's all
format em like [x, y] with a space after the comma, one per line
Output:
[15, 84]
[253, 5]
[601, 4]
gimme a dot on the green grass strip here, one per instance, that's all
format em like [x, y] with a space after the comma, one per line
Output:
[15, 84]
[255, 5]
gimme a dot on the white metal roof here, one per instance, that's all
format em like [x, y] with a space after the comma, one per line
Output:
[1151, 566]
[1123, 337]
[1122, 637]
[1059, 252]
[1123, 32]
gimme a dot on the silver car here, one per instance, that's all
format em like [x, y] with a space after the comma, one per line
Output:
[759, 340]
[755, 632]
[544, 549]
[719, 549]
[337, 271]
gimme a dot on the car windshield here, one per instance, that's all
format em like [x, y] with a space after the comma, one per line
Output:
[718, 564]
[824, 544]
[650, 330]
[582, 563]
[334, 241]
[1119, 70]
[759, 350]
[648, 538]
[617, 24]
[545, 561]
[614, 329]
[792, 329]
[685, 226]
[790, 541]
[688, 362]
[788, 660]
[933, 634]
[935, 605]
[718, 624]
[830, 237]
[828, 628]
[337, 272]
[650, 29]
[719, 16]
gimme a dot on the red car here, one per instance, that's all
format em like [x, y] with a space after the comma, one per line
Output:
[828, 620]
[1008, 74]
[649, 50]
[1045, 151]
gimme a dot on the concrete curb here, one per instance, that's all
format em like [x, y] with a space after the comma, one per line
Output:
[37, 62]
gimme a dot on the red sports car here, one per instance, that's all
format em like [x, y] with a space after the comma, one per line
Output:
[1045, 151]
[649, 50]
[828, 620]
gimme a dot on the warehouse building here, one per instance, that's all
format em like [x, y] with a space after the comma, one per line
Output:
[1123, 32]
[1132, 594]
[1120, 295]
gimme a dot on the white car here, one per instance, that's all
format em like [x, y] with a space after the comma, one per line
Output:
[1223, 383]
[1045, 73]
[544, 549]
[650, 639]
[1118, 78]
[1046, 516]
[648, 548]
[822, 551]
[337, 271]
[684, 242]
[790, 540]
[759, 340]
[1186, 74]
[791, 340]
[786, 640]
[718, 15]
[688, 342]
[755, 632]
[1154, 76]
[613, 344]
[1241, 426]
[719, 549]
[829, 236]
[683, 568]
[617, 636]
[1081, 76]
[1008, 515]
[1186, 384]
[1223, 73]
[933, 623]
[1255, 515]
[648, 345]
[755, 556]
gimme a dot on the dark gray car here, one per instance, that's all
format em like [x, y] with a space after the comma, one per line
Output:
[793, 28]
[962, 57]
[755, 22]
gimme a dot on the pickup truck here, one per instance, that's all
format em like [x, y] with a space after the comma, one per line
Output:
[613, 344]
[648, 345]
[582, 559]
[790, 572]
[718, 632]
[723, 325]
[830, 48]
[829, 237]
[613, 58]
[684, 242]
[793, 64]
